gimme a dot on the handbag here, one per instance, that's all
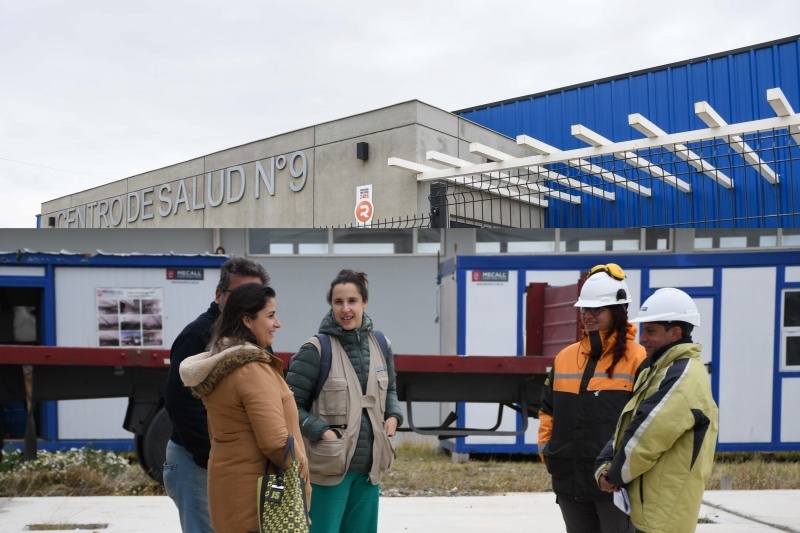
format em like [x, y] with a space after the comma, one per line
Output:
[282, 496]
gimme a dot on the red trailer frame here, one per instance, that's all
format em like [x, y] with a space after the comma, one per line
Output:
[64, 373]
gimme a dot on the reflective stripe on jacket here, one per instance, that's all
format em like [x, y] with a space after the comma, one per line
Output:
[665, 441]
[580, 408]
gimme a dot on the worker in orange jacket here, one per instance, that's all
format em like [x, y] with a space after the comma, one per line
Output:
[584, 394]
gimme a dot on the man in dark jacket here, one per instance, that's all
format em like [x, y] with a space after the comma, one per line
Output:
[185, 470]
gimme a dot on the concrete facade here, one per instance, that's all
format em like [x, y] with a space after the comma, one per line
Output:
[301, 179]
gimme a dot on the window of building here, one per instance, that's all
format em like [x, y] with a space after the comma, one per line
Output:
[530, 241]
[790, 331]
[287, 241]
[790, 237]
[372, 241]
[343, 241]
[429, 241]
[600, 240]
[726, 239]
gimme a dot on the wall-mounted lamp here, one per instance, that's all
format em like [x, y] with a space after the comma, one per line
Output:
[51, 222]
[362, 151]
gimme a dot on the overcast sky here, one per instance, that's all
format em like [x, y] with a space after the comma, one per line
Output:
[96, 91]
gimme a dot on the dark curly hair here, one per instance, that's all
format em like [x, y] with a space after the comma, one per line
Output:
[619, 325]
[245, 300]
[359, 279]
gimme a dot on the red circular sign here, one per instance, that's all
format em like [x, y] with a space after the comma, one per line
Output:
[364, 211]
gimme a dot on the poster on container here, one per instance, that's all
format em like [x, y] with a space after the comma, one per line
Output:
[130, 316]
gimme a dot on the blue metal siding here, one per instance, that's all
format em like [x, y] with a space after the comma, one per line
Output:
[734, 85]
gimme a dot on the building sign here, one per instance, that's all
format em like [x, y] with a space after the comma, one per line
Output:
[130, 317]
[364, 207]
[499, 276]
[228, 185]
[193, 274]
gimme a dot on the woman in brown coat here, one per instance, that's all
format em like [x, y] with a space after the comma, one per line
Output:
[251, 411]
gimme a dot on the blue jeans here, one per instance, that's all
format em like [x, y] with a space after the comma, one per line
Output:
[187, 485]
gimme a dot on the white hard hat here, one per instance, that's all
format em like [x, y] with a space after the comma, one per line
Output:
[600, 290]
[669, 305]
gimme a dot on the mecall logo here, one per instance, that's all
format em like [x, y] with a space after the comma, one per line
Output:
[193, 274]
[490, 275]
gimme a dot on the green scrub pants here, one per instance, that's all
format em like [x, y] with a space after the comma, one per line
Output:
[349, 507]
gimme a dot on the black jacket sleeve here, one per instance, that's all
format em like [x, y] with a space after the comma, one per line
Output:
[187, 413]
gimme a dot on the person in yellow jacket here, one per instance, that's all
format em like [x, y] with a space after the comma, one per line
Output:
[589, 384]
[663, 449]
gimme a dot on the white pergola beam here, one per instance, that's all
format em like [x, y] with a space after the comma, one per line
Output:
[595, 139]
[542, 148]
[708, 115]
[650, 130]
[586, 166]
[780, 104]
[469, 182]
[588, 136]
[572, 183]
[536, 145]
[465, 181]
[396, 162]
[644, 126]
[635, 145]
[655, 171]
[449, 160]
[488, 152]
[607, 175]
[456, 162]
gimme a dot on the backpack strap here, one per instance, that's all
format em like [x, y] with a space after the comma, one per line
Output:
[381, 338]
[325, 359]
[324, 365]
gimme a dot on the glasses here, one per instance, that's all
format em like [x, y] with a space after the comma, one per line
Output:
[612, 269]
[594, 311]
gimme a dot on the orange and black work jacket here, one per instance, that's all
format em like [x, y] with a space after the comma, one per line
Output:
[580, 408]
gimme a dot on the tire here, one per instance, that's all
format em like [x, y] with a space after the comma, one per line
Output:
[154, 445]
[138, 446]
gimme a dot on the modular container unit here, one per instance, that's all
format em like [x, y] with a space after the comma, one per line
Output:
[750, 333]
[734, 84]
[86, 301]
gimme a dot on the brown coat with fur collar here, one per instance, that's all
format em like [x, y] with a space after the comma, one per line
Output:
[250, 413]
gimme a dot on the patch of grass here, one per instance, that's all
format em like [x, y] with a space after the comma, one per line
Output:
[78, 472]
[419, 470]
[756, 471]
[64, 527]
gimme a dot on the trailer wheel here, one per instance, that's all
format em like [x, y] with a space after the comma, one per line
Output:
[154, 445]
[138, 446]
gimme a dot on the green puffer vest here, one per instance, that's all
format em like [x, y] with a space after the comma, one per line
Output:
[302, 377]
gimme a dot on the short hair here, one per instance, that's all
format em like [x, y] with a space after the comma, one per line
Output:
[686, 328]
[359, 279]
[241, 266]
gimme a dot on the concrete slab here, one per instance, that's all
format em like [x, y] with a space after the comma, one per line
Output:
[726, 511]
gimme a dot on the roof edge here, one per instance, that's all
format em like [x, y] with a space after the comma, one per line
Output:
[675, 64]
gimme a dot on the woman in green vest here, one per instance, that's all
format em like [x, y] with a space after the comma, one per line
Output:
[349, 428]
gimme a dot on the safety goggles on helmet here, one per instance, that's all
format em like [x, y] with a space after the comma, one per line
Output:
[594, 311]
[612, 269]
[601, 290]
